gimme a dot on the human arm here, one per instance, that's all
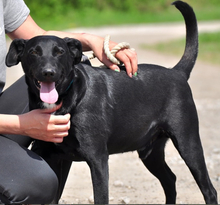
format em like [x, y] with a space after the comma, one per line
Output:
[89, 42]
[38, 124]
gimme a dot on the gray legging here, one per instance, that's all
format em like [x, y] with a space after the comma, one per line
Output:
[24, 176]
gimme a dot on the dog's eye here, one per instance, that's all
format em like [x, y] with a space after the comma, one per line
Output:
[33, 52]
[58, 51]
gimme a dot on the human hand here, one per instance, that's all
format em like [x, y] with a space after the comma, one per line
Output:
[127, 56]
[42, 125]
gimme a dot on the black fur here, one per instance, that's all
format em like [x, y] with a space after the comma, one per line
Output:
[113, 113]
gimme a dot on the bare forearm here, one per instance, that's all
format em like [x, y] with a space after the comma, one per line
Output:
[38, 124]
[84, 38]
[30, 29]
[9, 124]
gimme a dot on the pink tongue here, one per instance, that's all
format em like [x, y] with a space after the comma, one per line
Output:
[48, 93]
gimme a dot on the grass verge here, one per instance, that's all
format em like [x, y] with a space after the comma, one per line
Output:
[209, 47]
[92, 17]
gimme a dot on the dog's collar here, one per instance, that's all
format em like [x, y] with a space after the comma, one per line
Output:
[71, 82]
[69, 85]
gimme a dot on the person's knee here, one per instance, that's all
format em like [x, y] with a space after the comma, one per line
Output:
[25, 177]
[41, 188]
[44, 187]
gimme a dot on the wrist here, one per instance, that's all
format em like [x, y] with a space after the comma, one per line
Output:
[90, 41]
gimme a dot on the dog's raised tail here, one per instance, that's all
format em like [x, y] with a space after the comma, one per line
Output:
[189, 57]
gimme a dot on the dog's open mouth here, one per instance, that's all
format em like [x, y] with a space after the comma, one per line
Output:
[48, 92]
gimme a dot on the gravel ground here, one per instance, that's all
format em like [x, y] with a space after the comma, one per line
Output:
[129, 181]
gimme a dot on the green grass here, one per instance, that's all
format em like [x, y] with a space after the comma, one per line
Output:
[209, 47]
[153, 11]
[93, 18]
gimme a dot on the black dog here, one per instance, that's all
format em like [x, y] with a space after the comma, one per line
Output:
[112, 113]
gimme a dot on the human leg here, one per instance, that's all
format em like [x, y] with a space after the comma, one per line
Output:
[24, 176]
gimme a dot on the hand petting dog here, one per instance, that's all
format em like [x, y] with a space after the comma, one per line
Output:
[41, 125]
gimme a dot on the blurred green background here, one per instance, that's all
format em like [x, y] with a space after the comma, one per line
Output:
[64, 14]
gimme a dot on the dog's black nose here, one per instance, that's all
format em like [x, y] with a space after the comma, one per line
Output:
[48, 73]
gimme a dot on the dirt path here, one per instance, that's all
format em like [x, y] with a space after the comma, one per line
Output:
[129, 181]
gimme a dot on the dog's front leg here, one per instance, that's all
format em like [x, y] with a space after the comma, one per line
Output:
[100, 176]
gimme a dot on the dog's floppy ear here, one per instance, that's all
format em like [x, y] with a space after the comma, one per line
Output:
[15, 52]
[75, 48]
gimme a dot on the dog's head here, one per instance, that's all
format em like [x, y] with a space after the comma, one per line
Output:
[47, 62]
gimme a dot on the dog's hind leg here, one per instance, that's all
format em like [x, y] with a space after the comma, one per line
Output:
[190, 149]
[155, 163]
[185, 137]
